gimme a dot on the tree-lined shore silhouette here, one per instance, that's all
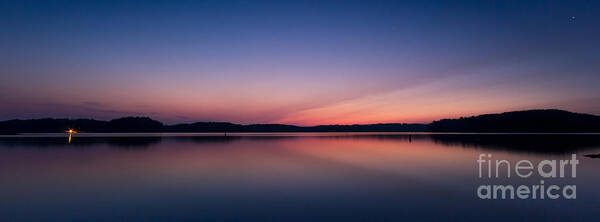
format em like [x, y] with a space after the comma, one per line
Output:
[544, 121]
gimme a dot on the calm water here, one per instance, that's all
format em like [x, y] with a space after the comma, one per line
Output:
[282, 177]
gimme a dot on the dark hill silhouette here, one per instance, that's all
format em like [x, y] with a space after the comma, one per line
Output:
[518, 121]
[134, 124]
[550, 120]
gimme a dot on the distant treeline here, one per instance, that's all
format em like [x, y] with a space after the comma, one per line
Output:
[550, 120]
[50, 125]
[145, 124]
[518, 121]
[230, 127]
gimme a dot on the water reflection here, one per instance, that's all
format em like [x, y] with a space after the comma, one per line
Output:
[536, 143]
[306, 177]
[140, 142]
[528, 143]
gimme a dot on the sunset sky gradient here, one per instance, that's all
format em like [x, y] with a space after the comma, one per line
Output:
[296, 62]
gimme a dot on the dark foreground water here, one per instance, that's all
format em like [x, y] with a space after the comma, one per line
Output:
[285, 177]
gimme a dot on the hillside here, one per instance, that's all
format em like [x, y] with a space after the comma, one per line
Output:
[550, 120]
[518, 121]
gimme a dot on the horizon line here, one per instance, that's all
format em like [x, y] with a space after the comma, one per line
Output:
[377, 123]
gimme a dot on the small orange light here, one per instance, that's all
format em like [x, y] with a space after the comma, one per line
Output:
[71, 131]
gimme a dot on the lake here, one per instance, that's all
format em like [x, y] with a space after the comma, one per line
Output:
[286, 177]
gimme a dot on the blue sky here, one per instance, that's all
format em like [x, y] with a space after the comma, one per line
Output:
[300, 62]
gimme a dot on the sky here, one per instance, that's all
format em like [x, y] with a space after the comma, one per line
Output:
[296, 62]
